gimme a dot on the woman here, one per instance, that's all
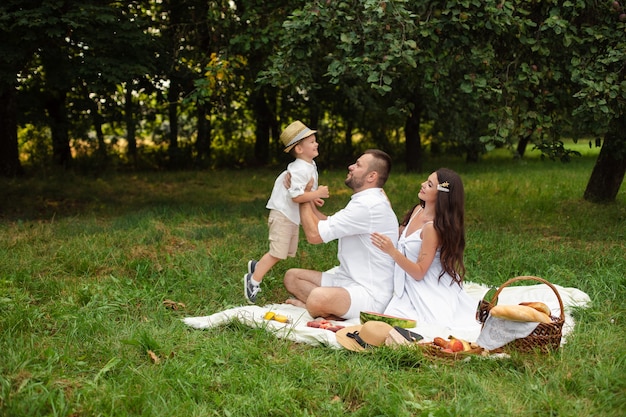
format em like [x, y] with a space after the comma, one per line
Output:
[429, 268]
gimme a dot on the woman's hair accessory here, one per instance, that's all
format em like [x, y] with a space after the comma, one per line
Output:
[444, 186]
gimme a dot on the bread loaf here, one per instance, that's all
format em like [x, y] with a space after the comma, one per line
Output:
[519, 313]
[537, 305]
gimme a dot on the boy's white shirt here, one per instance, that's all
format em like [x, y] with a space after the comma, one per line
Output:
[281, 198]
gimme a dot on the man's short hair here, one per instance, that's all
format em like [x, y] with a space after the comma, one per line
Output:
[381, 163]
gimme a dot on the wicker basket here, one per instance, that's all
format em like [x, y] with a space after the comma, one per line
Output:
[546, 337]
[432, 350]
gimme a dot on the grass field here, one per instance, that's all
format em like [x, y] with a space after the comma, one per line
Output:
[86, 264]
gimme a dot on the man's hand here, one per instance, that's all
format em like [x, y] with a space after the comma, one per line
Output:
[287, 180]
[309, 185]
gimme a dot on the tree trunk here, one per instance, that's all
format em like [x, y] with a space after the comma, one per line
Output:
[413, 156]
[348, 139]
[129, 117]
[172, 107]
[380, 138]
[608, 173]
[264, 122]
[521, 146]
[472, 155]
[97, 124]
[275, 125]
[59, 127]
[203, 141]
[9, 155]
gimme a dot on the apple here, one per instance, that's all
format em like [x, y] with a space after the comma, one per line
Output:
[456, 345]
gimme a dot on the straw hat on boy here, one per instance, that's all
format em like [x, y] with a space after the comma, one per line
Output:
[294, 133]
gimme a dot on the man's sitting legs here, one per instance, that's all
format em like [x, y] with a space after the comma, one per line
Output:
[330, 303]
[326, 302]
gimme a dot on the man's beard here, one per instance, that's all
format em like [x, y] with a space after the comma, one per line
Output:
[354, 183]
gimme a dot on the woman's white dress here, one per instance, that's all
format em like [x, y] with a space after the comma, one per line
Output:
[431, 300]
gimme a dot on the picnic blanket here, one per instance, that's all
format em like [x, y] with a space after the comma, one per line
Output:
[298, 331]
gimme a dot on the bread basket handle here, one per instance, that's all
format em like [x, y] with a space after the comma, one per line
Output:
[528, 278]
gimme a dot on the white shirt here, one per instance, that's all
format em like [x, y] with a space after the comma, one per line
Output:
[282, 198]
[368, 211]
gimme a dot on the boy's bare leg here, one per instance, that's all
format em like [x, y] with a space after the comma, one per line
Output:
[263, 265]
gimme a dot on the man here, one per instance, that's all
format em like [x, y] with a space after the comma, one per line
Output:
[364, 279]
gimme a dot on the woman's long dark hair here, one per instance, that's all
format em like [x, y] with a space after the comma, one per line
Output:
[449, 223]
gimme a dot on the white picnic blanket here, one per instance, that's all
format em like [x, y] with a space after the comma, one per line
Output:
[298, 331]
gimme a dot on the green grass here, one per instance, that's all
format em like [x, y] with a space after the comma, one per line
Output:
[86, 264]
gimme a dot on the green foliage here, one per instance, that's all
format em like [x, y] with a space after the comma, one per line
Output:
[87, 264]
[210, 84]
[489, 73]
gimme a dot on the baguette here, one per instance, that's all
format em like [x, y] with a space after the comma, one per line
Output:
[538, 305]
[519, 313]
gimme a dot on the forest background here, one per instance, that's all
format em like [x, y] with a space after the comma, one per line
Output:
[93, 85]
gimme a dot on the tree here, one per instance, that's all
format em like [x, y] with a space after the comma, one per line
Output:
[608, 172]
[598, 68]
[17, 45]
[9, 158]
[350, 53]
[488, 72]
[59, 47]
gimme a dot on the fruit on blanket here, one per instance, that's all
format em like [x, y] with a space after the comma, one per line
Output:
[324, 324]
[452, 345]
[466, 345]
[441, 342]
[366, 316]
[456, 345]
[334, 328]
[270, 315]
[537, 305]
[281, 319]
[519, 313]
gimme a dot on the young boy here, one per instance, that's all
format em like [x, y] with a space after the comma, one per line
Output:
[284, 216]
